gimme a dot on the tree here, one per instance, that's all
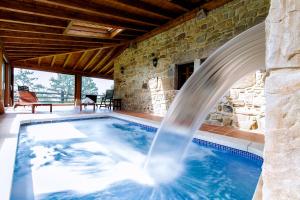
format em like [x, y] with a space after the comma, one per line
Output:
[24, 78]
[39, 88]
[89, 86]
[63, 83]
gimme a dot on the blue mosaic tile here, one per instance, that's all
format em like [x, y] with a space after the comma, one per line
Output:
[231, 150]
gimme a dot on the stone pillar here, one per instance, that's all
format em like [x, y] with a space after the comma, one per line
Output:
[281, 170]
[77, 96]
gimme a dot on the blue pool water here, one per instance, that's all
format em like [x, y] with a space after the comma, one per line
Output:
[103, 159]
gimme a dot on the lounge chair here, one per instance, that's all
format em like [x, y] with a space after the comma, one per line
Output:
[27, 98]
[107, 100]
[89, 100]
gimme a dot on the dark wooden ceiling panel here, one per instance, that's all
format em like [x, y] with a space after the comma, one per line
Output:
[39, 34]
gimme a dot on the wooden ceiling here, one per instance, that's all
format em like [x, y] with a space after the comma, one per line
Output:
[85, 36]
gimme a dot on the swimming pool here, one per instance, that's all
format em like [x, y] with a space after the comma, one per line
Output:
[102, 158]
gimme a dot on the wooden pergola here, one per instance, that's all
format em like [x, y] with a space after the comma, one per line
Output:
[84, 37]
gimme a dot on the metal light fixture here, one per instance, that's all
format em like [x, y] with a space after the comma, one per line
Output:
[122, 69]
[155, 61]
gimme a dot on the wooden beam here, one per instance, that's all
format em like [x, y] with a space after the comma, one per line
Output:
[112, 59]
[39, 60]
[110, 71]
[77, 89]
[80, 59]
[55, 37]
[53, 45]
[31, 19]
[29, 28]
[106, 67]
[172, 4]
[92, 49]
[104, 10]
[12, 84]
[40, 49]
[91, 61]
[28, 54]
[210, 5]
[7, 95]
[179, 20]
[24, 65]
[53, 61]
[146, 8]
[49, 51]
[41, 41]
[67, 14]
[103, 60]
[187, 4]
[67, 60]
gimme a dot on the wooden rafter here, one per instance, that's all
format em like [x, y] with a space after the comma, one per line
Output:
[61, 13]
[104, 59]
[34, 33]
[29, 28]
[112, 59]
[110, 71]
[53, 61]
[104, 10]
[39, 60]
[80, 59]
[55, 37]
[91, 61]
[187, 5]
[147, 8]
[24, 65]
[42, 41]
[67, 60]
[11, 16]
[109, 46]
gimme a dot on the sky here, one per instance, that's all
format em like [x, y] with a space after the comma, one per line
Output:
[44, 77]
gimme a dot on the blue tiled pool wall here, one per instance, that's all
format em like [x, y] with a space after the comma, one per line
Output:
[245, 154]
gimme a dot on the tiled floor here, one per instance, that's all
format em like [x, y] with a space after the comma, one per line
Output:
[231, 132]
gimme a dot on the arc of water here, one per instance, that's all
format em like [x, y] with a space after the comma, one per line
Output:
[236, 58]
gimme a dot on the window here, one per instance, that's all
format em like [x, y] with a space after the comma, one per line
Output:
[184, 71]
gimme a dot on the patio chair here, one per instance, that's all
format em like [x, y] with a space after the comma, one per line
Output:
[107, 100]
[27, 98]
[90, 99]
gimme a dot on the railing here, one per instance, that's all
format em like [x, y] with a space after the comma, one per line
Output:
[55, 97]
[51, 97]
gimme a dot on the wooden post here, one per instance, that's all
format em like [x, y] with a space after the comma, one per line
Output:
[1, 83]
[77, 96]
[12, 71]
[7, 96]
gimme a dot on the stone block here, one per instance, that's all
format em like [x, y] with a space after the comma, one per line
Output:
[245, 82]
[283, 99]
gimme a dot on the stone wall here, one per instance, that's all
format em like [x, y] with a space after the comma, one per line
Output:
[243, 106]
[145, 88]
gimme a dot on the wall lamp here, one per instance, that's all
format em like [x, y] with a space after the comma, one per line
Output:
[122, 69]
[154, 60]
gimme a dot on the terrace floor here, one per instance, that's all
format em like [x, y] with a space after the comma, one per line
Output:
[67, 110]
